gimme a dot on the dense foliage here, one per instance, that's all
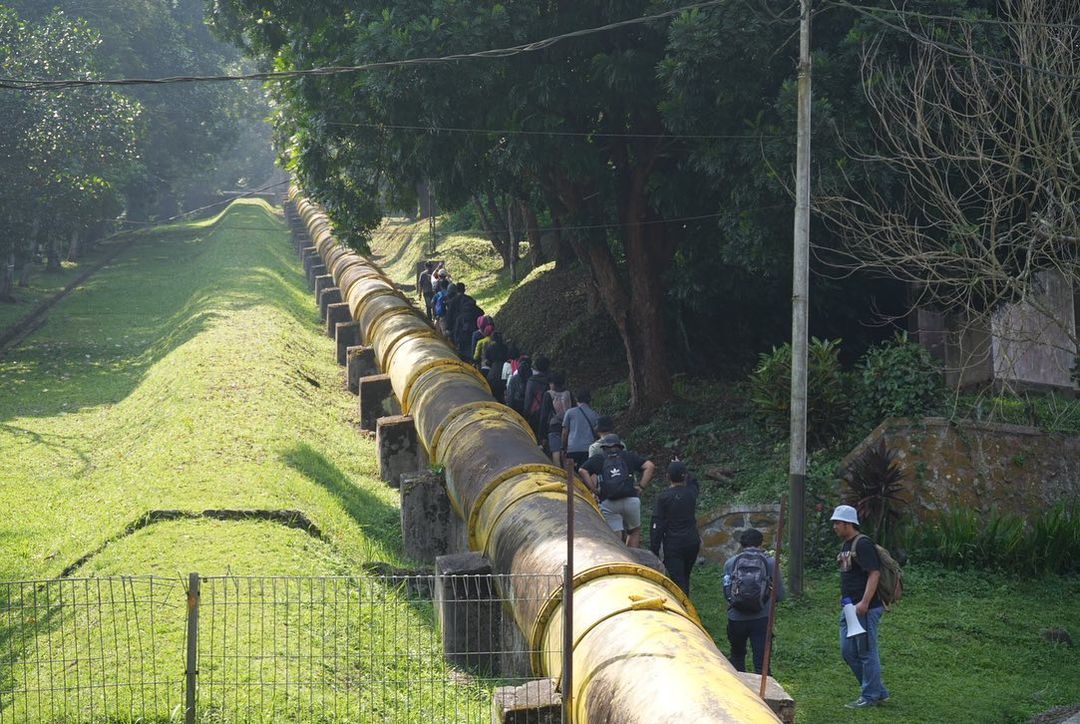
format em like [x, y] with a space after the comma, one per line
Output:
[660, 149]
[75, 160]
[897, 378]
[64, 154]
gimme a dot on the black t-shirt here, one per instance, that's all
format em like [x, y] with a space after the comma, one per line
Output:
[425, 285]
[853, 580]
[674, 520]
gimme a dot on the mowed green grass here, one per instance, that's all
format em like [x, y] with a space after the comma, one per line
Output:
[190, 375]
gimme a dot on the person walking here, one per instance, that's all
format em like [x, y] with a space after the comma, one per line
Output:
[748, 579]
[611, 476]
[535, 389]
[860, 571]
[514, 397]
[674, 525]
[604, 426]
[425, 286]
[579, 428]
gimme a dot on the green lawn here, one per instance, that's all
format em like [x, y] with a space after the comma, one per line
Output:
[187, 375]
[45, 284]
[192, 374]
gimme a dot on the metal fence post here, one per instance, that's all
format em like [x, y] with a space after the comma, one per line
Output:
[192, 672]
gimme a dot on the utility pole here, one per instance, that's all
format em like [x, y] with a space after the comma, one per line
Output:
[800, 289]
[431, 218]
[510, 233]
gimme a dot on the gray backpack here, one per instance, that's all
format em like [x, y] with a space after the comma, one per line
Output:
[750, 583]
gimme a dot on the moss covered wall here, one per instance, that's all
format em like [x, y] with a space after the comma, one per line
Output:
[980, 466]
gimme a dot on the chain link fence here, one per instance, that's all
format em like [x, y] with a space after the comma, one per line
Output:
[262, 648]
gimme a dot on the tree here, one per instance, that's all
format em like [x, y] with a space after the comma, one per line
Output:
[972, 187]
[63, 153]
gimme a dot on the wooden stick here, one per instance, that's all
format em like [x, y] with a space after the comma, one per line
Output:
[772, 601]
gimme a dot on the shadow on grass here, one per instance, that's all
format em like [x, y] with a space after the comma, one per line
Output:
[164, 291]
[380, 522]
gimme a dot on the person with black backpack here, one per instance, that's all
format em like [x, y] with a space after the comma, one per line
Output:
[611, 476]
[749, 576]
[860, 572]
[674, 525]
[514, 397]
[535, 389]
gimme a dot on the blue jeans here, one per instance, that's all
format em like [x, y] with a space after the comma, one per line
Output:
[861, 654]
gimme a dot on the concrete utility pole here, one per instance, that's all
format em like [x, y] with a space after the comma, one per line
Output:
[800, 290]
[510, 233]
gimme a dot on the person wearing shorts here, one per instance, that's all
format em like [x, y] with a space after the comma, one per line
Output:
[622, 513]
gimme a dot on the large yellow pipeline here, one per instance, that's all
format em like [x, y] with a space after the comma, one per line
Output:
[640, 652]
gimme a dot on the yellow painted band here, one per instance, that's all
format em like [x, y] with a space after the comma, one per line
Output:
[406, 394]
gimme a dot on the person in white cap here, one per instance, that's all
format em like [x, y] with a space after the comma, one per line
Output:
[860, 570]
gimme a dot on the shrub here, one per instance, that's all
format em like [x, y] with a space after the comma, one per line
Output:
[1048, 543]
[897, 378]
[828, 406]
[875, 486]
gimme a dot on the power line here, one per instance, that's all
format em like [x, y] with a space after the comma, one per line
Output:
[44, 85]
[953, 18]
[949, 48]
[581, 134]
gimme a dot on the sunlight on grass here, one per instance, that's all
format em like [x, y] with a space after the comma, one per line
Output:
[178, 379]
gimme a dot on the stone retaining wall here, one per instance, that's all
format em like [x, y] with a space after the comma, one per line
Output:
[980, 466]
[720, 529]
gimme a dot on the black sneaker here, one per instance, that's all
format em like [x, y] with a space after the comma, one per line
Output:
[861, 703]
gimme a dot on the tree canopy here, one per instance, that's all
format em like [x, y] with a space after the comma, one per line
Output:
[662, 149]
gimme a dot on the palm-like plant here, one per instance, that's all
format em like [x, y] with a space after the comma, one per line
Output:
[875, 486]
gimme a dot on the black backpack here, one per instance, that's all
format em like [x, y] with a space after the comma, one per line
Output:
[750, 582]
[616, 478]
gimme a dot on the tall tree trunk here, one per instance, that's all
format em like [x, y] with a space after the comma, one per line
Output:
[636, 306]
[73, 247]
[52, 263]
[24, 271]
[425, 200]
[532, 233]
[500, 240]
[7, 279]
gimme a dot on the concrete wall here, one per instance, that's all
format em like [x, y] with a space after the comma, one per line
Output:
[1025, 345]
[720, 529]
[980, 466]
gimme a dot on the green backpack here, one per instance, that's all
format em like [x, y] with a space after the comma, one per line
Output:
[891, 584]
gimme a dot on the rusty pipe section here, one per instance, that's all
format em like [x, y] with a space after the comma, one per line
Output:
[635, 633]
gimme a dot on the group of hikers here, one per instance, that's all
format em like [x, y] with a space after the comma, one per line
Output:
[569, 429]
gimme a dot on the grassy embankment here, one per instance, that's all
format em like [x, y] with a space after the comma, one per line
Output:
[189, 374]
[960, 647]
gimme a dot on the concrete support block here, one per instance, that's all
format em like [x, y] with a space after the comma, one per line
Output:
[316, 270]
[359, 362]
[534, 702]
[301, 241]
[397, 444]
[778, 700]
[469, 612]
[307, 256]
[375, 399]
[346, 334]
[322, 281]
[426, 516]
[329, 295]
[515, 652]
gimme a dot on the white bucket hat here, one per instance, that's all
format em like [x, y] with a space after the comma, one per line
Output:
[846, 514]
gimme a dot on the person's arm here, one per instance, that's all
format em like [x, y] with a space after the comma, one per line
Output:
[659, 526]
[867, 559]
[648, 469]
[868, 595]
[588, 478]
[566, 427]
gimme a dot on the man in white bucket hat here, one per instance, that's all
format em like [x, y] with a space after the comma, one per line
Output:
[860, 571]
